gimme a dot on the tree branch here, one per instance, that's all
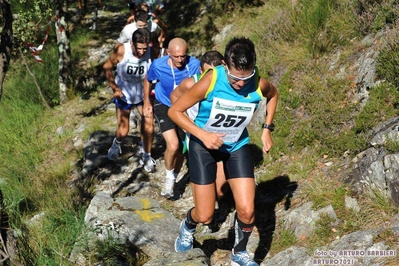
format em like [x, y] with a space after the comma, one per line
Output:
[34, 80]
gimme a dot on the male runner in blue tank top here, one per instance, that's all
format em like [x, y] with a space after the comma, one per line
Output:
[168, 72]
[228, 96]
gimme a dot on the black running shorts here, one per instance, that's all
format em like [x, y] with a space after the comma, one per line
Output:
[202, 163]
[165, 123]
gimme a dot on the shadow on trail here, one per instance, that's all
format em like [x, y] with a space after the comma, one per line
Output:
[180, 186]
[133, 177]
[96, 167]
[267, 195]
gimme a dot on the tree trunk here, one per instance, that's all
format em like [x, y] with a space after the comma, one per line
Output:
[64, 52]
[6, 41]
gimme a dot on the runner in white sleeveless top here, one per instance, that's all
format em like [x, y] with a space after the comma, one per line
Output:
[132, 61]
[131, 73]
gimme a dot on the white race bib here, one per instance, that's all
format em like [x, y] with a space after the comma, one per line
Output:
[230, 118]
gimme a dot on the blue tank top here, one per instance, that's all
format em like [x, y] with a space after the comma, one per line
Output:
[168, 78]
[221, 91]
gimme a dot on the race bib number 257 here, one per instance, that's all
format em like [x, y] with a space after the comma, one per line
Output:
[230, 118]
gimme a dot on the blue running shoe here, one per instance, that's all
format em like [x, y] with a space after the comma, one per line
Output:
[148, 163]
[185, 239]
[114, 151]
[242, 259]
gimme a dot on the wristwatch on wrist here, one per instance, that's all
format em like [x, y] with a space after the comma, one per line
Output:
[268, 126]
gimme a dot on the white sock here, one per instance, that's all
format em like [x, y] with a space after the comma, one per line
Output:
[170, 174]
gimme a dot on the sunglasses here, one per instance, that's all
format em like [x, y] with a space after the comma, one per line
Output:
[235, 78]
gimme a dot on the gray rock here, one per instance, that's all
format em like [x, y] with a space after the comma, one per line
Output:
[351, 203]
[355, 249]
[383, 132]
[80, 129]
[138, 220]
[60, 130]
[290, 256]
[193, 257]
[354, 241]
[78, 143]
[223, 33]
[302, 220]
[377, 168]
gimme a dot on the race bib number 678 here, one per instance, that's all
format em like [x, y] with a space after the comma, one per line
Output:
[230, 118]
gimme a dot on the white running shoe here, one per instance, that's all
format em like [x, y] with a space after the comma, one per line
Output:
[167, 190]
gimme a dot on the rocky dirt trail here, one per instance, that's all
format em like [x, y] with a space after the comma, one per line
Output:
[125, 178]
[124, 201]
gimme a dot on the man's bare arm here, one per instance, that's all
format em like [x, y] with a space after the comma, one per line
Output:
[112, 61]
[183, 87]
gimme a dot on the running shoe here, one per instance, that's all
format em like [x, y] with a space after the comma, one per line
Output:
[114, 151]
[167, 190]
[149, 163]
[185, 239]
[242, 258]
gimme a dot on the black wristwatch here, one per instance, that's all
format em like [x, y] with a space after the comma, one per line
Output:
[269, 127]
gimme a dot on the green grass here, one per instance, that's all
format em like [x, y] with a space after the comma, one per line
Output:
[35, 164]
[30, 189]
[283, 238]
[111, 253]
[324, 233]
[392, 146]
[389, 59]
[20, 150]
[382, 105]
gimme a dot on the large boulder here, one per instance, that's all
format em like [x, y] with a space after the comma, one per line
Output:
[377, 168]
